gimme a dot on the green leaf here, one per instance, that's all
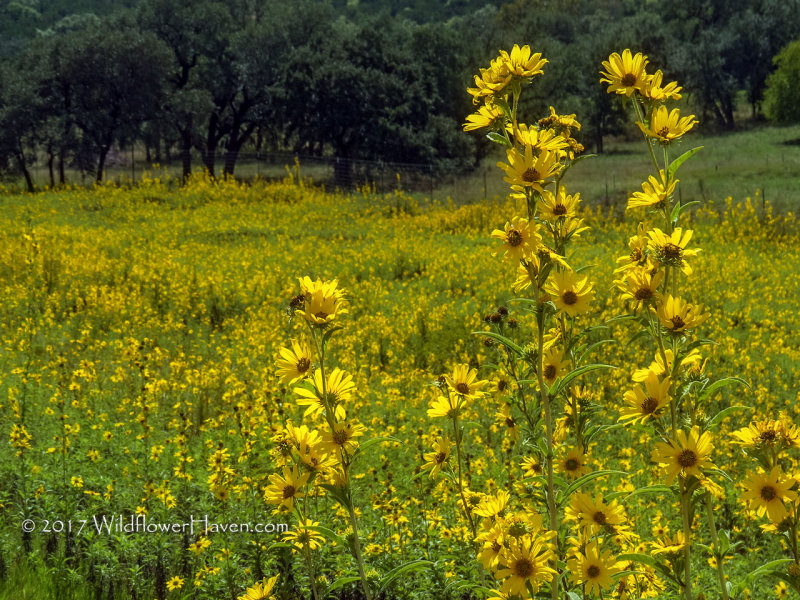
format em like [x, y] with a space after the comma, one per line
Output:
[372, 442]
[575, 161]
[329, 534]
[502, 339]
[650, 489]
[720, 383]
[675, 165]
[679, 208]
[762, 570]
[339, 583]
[414, 565]
[593, 346]
[336, 493]
[499, 139]
[725, 412]
[562, 384]
[578, 483]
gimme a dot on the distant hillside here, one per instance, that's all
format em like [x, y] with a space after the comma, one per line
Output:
[421, 11]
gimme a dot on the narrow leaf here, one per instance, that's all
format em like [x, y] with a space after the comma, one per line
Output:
[575, 374]
[675, 165]
[414, 565]
[578, 483]
[725, 412]
[502, 339]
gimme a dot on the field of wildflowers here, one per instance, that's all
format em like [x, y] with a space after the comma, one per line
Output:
[435, 400]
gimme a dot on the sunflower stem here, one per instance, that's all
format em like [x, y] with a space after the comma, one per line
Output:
[457, 435]
[640, 114]
[548, 416]
[687, 534]
[715, 537]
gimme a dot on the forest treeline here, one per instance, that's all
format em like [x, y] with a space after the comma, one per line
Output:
[380, 79]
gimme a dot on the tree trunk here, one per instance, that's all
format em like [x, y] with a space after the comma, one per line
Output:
[101, 163]
[230, 161]
[25, 172]
[186, 153]
[62, 176]
[50, 160]
[212, 140]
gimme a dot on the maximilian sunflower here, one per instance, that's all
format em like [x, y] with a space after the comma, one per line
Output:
[655, 92]
[595, 515]
[766, 493]
[677, 315]
[446, 406]
[685, 455]
[328, 393]
[521, 63]
[323, 301]
[524, 564]
[343, 438]
[541, 140]
[488, 115]
[552, 207]
[625, 74]
[570, 292]
[284, 489]
[519, 239]
[643, 404]
[667, 126]
[640, 286]
[593, 568]
[305, 536]
[671, 248]
[437, 459]
[294, 363]
[554, 365]
[655, 192]
[261, 590]
[573, 464]
[464, 382]
[507, 422]
[529, 170]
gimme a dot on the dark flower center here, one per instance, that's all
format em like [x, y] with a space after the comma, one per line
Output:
[440, 458]
[628, 80]
[672, 252]
[514, 237]
[687, 458]
[677, 323]
[593, 571]
[649, 406]
[572, 464]
[303, 365]
[768, 493]
[462, 388]
[523, 568]
[531, 175]
[643, 293]
[550, 372]
[599, 517]
[559, 209]
[340, 438]
[767, 436]
[510, 422]
[569, 297]
[663, 132]
[288, 491]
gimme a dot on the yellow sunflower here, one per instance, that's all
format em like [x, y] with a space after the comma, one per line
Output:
[294, 363]
[488, 115]
[492, 507]
[493, 546]
[529, 170]
[671, 248]
[686, 455]
[655, 92]
[519, 239]
[595, 515]
[657, 366]
[640, 286]
[593, 569]
[654, 192]
[570, 292]
[505, 419]
[554, 207]
[342, 438]
[328, 394]
[283, 490]
[677, 315]
[261, 590]
[521, 63]
[437, 459]
[323, 301]
[554, 365]
[625, 74]
[448, 407]
[646, 403]
[766, 493]
[304, 536]
[464, 382]
[667, 126]
[573, 464]
[524, 563]
[539, 139]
